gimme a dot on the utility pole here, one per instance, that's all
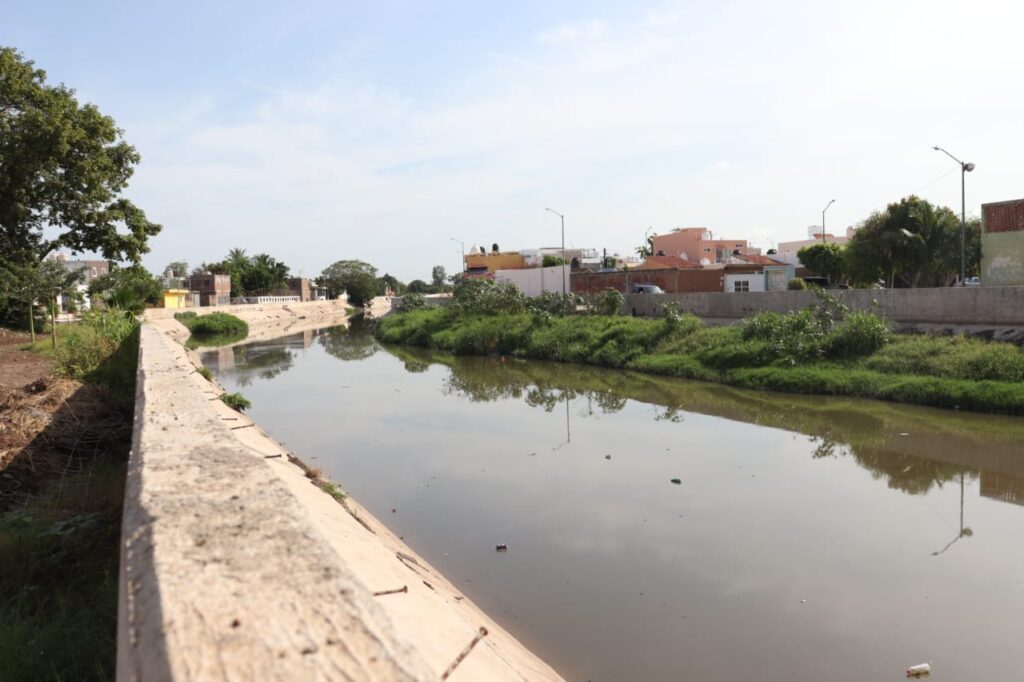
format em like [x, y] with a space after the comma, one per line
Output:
[462, 253]
[564, 292]
[823, 239]
[965, 168]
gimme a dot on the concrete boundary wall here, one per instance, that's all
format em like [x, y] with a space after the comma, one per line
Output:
[236, 564]
[1001, 306]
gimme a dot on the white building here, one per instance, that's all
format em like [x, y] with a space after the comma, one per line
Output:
[535, 281]
[787, 250]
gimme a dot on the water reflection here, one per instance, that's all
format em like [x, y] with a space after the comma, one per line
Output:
[807, 534]
[912, 449]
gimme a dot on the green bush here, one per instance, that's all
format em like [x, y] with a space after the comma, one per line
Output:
[101, 348]
[412, 301]
[954, 357]
[608, 302]
[216, 324]
[796, 284]
[236, 401]
[484, 297]
[182, 317]
[860, 334]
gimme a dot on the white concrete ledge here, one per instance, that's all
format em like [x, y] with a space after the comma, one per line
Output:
[236, 566]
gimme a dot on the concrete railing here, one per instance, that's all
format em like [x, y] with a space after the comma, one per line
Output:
[237, 563]
[1000, 306]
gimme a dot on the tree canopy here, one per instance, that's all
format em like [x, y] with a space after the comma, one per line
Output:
[130, 288]
[357, 278]
[911, 243]
[63, 167]
[825, 260]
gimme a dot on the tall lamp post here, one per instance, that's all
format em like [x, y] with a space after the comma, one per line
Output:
[965, 168]
[462, 253]
[563, 246]
[823, 239]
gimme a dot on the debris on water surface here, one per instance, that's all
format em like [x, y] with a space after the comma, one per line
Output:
[919, 670]
[904, 434]
[677, 481]
[501, 547]
[607, 456]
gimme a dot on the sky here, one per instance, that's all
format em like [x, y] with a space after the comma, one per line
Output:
[383, 131]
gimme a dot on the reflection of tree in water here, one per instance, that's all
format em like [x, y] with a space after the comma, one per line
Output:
[867, 431]
[260, 361]
[348, 343]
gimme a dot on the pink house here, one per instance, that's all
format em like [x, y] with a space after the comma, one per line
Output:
[697, 244]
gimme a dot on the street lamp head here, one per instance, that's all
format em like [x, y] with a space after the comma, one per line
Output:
[968, 167]
[936, 148]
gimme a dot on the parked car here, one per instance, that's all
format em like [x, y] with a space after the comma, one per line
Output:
[645, 289]
[972, 282]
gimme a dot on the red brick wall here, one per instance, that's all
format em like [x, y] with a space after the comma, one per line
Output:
[671, 280]
[1005, 216]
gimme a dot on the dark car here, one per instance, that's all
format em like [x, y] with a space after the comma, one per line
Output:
[645, 289]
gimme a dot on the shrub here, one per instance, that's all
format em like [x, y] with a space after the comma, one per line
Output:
[102, 348]
[412, 301]
[236, 401]
[796, 284]
[608, 302]
[484, 297]
[860, 334]
[552, 303]
[183, 317]
[205, 373]
[216, 324]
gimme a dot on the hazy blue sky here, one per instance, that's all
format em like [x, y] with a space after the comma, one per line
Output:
[322, 131]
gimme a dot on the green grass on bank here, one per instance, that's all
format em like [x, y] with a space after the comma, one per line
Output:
[820, 351]
[60, 527]
[214, 329]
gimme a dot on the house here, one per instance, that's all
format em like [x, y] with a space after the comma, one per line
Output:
[787, 251]
[1002, 243]
[299, 286]
[212, 289]
[486, 264]
[176, 298]
[90, 269]
[535, 281]
[698, 244]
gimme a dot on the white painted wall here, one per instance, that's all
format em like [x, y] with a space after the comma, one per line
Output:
[756, 280]
[534, 281]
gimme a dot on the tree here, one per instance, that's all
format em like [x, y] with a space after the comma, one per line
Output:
[393, 283]
[56, 280]
[825, 260]
[64, 166]
[261, 274]
[551, 261]
[438, 276]
[131, 288]
[418, 286]
[178, 268]
[357, 278]
[906, 245]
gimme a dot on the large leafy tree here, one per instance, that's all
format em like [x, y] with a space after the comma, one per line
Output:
[357, 278]
[63, 167]
[825, 260]
[131, 288]
[438, 276]
[906, 245]
[263, 274]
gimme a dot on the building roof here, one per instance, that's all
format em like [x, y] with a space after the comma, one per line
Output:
[663, 262]
[758, 260]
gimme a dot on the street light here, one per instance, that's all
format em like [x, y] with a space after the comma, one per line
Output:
[823, 240]
[563, 246]
[462, 252]
[965, 168]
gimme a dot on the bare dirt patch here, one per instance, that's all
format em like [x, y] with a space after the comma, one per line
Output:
[19, 368]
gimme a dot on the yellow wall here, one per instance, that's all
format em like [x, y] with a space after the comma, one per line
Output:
[496, 261]
[175, 298]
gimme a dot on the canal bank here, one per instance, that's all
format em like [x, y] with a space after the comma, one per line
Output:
[237, 563]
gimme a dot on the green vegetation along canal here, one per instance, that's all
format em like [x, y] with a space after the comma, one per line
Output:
[808, 538]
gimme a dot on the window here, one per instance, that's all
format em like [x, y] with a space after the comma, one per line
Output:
[741, 285]
[707, 250]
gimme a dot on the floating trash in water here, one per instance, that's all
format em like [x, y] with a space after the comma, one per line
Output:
[920, 670]
[904, 434]
[501, 548]
[677, 481]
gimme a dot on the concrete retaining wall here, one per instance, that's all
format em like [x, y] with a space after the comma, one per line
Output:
[999, 306]
[236, 564]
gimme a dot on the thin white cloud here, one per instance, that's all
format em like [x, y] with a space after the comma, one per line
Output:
[589, 29]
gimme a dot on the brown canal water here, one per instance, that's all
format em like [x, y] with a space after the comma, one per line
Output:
[808, 538]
